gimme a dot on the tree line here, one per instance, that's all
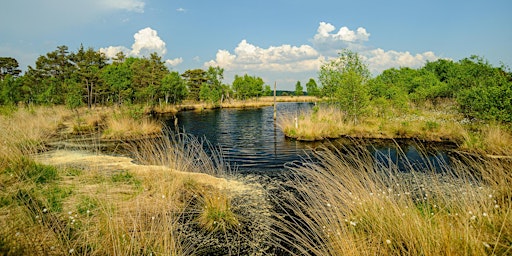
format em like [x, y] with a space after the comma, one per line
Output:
[88, 77]
[482, 91]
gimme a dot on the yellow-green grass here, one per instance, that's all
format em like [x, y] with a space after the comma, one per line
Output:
[80, 203]
[428, 122]
[346, 204]
[24, 130]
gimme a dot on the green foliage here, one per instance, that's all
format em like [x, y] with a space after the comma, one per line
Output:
[344, 81]
[194, 79]
[267, 91]
[312, 88]
[483, 91]
[28, 170]
[125, 177]
[87, 205]
[173, 88]
[118, 77]
[299, 90]
[9, 90]
[9, 66]
[55, 196]
[247, 87]
[147, 75]
[212, 90]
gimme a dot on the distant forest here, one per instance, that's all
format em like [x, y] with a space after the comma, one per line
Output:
[88, 78]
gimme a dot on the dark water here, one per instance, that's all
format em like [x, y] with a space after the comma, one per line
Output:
[251, 141]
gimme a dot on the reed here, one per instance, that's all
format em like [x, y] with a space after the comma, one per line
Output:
[125, 127]
[345, 203]
[325, 122]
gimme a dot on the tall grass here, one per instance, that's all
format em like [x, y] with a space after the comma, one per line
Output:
[24, 130]
[317, 124]
[91, 204]
[346, 203]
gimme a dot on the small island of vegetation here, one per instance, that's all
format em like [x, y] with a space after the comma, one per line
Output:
[468, 103]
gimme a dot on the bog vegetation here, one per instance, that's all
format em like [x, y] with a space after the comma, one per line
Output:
[176, 199]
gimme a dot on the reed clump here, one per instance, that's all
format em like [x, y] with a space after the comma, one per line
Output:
[346, 203]
[317, 124]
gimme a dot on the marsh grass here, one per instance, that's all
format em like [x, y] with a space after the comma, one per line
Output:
[345, 203]
[325, 122]
[109, 208]
[317, 124]
[24, 130]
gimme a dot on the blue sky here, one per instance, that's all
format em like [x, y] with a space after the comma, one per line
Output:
[281, 41]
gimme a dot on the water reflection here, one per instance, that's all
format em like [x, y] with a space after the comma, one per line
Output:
[251, 141]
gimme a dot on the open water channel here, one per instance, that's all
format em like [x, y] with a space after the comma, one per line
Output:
[252, 142]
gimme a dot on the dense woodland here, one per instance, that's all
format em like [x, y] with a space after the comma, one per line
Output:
[87, 78]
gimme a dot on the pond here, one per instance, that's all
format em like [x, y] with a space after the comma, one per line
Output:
[251, 141]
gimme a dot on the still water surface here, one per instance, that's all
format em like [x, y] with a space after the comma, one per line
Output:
[251, 141]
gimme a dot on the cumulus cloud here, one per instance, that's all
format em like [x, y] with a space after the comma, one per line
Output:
[283, 58]
[127, 5]
[329, 42]
[174, 62]
[287, 63]
[344, 34]
[379, 60]
[146, 42]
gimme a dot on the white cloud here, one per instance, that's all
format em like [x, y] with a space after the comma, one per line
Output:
[343, 36]
[127, 5]
[181, 10]
[146, 42]
[287, 64]
[174, 62]
[283, 58]
[379, 60]
[111, 51]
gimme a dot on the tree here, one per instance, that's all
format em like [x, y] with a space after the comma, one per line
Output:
[8, 66]
[118, 78]
[344, 81]
[147, 74]
[194, 79]
[482, 91]
[212, 90]
[46, 81]
[312, 88]
[299, 90]
[88, 65]
[9, 90]
[174, 88]
[247, 86]
[267, 91]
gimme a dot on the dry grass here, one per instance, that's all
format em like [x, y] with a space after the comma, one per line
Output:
[328, 122]
[346, 204]
[101, 205]
[314, 125]
[124, 127]
[491, 139]
[24, 130]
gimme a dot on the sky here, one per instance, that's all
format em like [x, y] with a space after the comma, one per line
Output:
[281, 41]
